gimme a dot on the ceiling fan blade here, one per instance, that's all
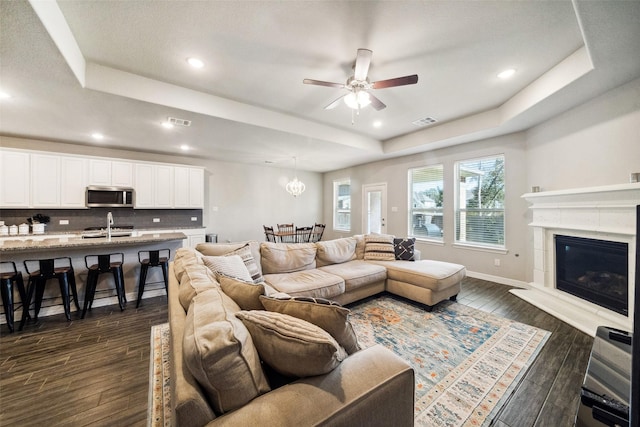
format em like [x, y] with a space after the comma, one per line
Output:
[335, 103]
[321, 83]
[398, 81]
[376, 103]
[363, 60]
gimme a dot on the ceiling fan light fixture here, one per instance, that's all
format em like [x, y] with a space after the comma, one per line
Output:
[357, 100]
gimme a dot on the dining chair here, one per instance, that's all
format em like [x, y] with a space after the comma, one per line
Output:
[303, 234]
[269, 234]
[316, 234]
[286, 233]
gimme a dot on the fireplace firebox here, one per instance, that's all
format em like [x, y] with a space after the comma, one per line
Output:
[594, 270]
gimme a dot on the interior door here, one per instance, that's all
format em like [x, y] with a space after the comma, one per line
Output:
[374, 207]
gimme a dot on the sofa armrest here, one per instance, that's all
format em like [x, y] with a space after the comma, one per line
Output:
[372, 387]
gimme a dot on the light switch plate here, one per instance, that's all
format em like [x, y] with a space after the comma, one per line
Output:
[156, 219]
[194, 218]
[64, 222]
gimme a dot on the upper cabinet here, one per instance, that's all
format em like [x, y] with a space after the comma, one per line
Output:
[153, 186]
[34, 179]
[45, 180]
[110, 173]
[188, 187]
[14, 179]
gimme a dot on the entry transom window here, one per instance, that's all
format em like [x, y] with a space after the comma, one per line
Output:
[425, 202]
[342, 205]
[479, 216]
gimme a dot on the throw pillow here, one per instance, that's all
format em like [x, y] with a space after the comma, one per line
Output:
[292, 346]
[249, 262]
[404, 248]
[219, 352]
[231, 266]
[195, 279]
[379, 247]
[328, 315]
[245, 294]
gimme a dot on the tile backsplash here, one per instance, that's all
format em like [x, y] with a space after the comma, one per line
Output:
[79, 219]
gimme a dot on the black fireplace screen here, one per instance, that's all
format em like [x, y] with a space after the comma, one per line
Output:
[594, 270]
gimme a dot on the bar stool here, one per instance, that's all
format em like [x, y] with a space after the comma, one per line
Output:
[98, 264]
[50, 269]
[154, 258]
[9, 276]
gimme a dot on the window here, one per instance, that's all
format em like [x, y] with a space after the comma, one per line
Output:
[342, 205]
[480, 201]
[425, 202]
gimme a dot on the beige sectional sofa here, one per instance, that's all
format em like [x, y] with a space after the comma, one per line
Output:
[218, 377]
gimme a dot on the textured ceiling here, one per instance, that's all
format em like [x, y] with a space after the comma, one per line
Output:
[75, 67]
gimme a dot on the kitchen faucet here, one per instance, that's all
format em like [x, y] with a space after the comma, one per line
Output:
[109, 224]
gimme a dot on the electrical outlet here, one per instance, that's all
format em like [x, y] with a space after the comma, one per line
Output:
[156, 219]
[194, 218]
[64, 222]
[496, 262]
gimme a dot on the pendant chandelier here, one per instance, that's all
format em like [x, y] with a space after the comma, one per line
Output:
[295, 187]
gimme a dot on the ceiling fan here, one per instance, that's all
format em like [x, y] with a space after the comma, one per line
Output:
[359, 86]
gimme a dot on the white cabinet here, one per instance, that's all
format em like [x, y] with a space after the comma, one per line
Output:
[122, 174]
[144, 186]
[194, 236]
[14, 179]
[73, 182]
[188, 187]
[110, 173]
[45, 180]
[153, 186]
[163, 190]
[99, 172]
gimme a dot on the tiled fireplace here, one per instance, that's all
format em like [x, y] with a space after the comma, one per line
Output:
[597, 214]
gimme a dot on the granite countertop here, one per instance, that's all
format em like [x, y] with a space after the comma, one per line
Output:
[28, 243]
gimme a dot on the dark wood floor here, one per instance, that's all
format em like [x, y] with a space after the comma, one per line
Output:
[95, 371]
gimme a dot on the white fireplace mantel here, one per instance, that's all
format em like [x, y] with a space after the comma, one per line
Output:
[604, 213]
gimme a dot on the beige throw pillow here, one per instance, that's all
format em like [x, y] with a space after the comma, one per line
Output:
[195, 279]
[245, 294]
[292, 346]
[231, 266]
[219, 352]
[379, 247]
[328, 315]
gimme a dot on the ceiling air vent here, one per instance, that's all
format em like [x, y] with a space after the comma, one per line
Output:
[424, 122]
[178, 122]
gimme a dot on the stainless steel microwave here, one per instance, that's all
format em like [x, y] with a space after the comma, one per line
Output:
[109, 197]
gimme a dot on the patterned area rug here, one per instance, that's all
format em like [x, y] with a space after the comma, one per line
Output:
[159, 407]
[467, 362]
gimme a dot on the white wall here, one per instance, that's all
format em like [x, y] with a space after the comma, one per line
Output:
[246, 196]
[395, 173]
[597, 143]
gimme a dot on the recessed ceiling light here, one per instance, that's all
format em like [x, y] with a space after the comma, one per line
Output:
[195, 62]
[167, 125]
[97, 136]
[507, 73]
[377, 124]
[4, 95]
[185, 147]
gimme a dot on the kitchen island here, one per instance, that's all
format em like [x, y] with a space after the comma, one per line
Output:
[20, 248]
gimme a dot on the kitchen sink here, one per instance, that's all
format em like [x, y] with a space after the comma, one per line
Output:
[102, 233]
